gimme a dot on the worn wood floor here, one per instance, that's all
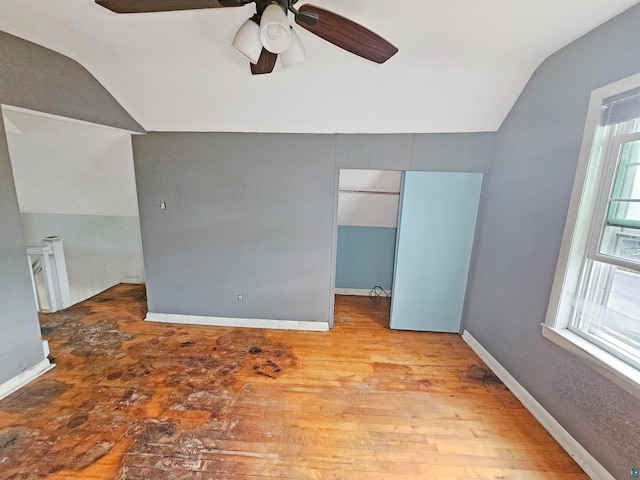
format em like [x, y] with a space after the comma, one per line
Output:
[143, 401]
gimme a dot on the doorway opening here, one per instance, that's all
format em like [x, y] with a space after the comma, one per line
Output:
[411, 232]
[75, 180]
[367, 220]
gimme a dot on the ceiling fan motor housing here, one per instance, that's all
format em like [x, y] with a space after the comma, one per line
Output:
[261, 5]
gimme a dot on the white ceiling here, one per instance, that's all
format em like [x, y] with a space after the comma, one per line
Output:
[460, 67]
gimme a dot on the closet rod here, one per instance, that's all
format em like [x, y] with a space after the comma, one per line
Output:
[373, 192]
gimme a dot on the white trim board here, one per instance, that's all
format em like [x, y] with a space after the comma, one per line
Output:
[20, 380]
[13, 108]
[362, 292]
[590, 465]
[237, 322]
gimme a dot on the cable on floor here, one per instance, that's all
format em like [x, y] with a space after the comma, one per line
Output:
[377, 293]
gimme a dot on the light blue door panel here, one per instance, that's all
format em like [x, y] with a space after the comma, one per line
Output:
[436, 227]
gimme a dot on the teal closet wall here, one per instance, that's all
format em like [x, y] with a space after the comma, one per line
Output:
[365, 257]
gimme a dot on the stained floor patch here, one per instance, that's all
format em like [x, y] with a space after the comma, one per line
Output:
[397, 377]
[15, 438]
[177, 392]
[481, 375]
[98, 339]
[82, 456]
[34, 396]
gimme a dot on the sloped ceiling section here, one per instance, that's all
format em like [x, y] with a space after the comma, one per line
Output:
[39, 79]
[460, 67]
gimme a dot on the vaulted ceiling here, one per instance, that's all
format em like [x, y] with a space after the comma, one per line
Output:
[460, 67]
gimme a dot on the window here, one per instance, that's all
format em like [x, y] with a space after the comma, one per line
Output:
[594, 308]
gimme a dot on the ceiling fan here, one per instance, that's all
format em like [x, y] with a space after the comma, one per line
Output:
[268, 34]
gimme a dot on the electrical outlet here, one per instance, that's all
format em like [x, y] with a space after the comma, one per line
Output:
[240, 296]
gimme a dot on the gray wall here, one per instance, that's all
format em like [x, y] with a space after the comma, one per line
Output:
[245, 213]
[36, 78]
[20, 341]
[255, 213]
[521, 228]
[447, 152]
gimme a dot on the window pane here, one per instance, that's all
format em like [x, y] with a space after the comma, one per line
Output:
[608, 309]
[621, 243]
[623, 213]
[621, 233]
[627, 182]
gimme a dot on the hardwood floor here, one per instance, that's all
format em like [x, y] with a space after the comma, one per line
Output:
[137, 400]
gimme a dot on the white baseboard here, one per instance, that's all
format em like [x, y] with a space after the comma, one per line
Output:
[238, 322]
[361, 292]
[590, 465]
[20, 380]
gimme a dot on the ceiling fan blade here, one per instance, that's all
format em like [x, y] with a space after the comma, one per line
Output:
[144, 6]
[348, 35]
[265, 64]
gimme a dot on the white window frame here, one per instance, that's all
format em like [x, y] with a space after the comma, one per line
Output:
[574, 249]
[603, 204]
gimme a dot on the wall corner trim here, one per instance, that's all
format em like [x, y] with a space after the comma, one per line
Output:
[583, 458]
[237, 322]
[20, 380]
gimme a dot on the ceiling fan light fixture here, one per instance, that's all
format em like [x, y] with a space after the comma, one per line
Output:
[247, 41]
[295, 54]
[274, 29]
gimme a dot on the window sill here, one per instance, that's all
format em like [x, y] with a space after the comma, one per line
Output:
[608, 365]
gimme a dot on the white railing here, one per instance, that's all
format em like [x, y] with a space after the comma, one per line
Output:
[48, 262]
